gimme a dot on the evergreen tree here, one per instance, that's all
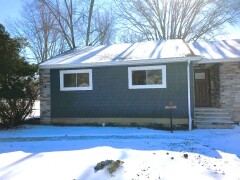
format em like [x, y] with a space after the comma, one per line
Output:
[18, 83]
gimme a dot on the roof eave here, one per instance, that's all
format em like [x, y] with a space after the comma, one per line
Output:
[122, 63]
[209, 61]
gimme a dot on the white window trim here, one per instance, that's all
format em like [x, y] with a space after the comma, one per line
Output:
[62, 72]
[131, 69]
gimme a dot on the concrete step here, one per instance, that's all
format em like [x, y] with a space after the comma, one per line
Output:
[198, 117]
[208, 109]
[212, 113]
[214, 124]
[211, 117]
[216, 121]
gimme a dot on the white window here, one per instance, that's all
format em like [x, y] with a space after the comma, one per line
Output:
[74, 80]
[145, 77]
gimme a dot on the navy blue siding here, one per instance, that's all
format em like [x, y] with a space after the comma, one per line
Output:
[111, 97]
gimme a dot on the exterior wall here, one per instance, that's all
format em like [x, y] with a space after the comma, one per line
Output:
[111, 98]
[230, 88]
[45, 97]
[214, 84]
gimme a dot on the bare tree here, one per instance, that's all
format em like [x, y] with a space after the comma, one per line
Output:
[65, 14]
[129, 36]
[102, 28]
[89, 22]
[174, 19]
[37, 27]
[79, 21]
[53, 26]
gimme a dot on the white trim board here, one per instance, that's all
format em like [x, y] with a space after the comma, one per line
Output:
[152, 86]
[209, 61]
[62, 72]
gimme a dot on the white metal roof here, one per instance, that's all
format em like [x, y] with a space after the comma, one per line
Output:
[147, 52]
[118, 54]
[217, 51]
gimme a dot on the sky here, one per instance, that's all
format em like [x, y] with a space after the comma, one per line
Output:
[11, 9]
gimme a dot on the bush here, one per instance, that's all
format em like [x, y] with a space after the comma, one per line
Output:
[18, 82]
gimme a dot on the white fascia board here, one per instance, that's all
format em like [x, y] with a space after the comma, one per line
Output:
[208, 61]
[121, 63]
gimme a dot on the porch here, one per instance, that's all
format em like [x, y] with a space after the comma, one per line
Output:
[217, 95]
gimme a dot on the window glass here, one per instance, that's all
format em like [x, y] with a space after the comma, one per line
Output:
[139, 77]
[76, 80]
[83, 80]
[154, 76]
[147, 77]
[69, 80]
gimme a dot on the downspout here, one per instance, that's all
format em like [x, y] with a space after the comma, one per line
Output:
[189, 97]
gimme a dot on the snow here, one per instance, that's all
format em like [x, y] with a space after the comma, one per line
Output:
[217, 50]
[71, 152]
[113, 53]
[35, 111]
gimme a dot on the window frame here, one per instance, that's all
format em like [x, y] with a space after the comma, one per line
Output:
[79, 71]
[147, 86]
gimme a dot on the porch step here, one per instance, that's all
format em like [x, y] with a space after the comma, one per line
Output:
[217, 121]
[209, 109]
[215, 126]
[212, 118]
[211, 112]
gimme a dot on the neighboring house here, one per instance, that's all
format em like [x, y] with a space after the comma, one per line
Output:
[130, 84]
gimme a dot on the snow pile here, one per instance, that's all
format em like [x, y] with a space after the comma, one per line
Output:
[48, 152]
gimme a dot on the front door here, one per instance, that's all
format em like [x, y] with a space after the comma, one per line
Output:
[202, 88]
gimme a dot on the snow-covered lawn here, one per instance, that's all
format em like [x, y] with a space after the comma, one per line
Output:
[67, 153]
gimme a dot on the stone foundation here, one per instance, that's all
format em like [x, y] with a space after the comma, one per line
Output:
[230, 89]
[45, 97]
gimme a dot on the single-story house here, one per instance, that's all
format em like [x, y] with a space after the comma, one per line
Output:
[132, 83]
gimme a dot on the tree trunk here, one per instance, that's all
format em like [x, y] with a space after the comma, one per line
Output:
[89, 22]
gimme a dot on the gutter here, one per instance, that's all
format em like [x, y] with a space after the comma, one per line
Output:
[189, 92]
[189, 96]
